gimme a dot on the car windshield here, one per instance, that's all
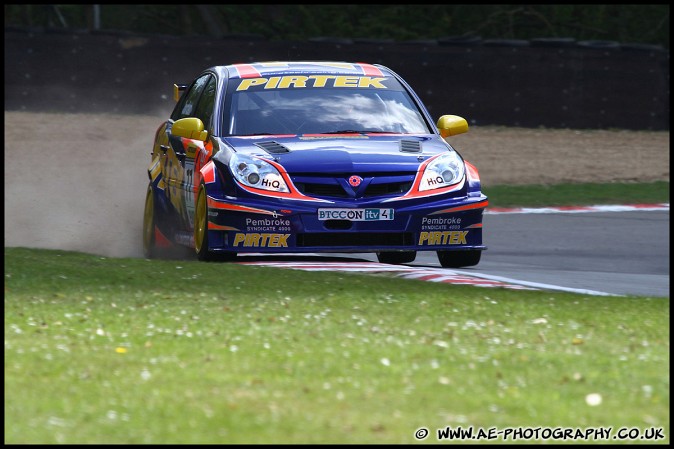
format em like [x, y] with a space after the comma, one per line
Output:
[382, 105]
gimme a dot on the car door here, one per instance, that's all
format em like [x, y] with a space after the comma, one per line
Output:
[179, 164]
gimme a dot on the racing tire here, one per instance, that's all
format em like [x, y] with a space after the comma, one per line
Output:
[149, 223]
[458, 259]
[201, 226]
[201, 231]
[396, 257]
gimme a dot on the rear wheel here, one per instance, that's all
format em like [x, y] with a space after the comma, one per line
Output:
[149, 223]
[458, 259]
[201, 226]
[396, 257]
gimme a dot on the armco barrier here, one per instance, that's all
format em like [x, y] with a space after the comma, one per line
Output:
[548, 82]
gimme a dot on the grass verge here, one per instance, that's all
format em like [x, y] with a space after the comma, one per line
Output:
[577, 194]
[118, 351]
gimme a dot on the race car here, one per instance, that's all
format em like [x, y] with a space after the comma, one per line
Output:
[310, 157]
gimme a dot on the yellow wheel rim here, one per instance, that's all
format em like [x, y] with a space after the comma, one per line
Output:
[200, 221]
[148, 220]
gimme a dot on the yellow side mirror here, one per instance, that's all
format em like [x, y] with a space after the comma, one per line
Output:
[451, 125]
[190, 128]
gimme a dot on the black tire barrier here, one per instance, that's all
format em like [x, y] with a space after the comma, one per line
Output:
[506, 43]
[244, 36]
[642, 47]
[420, 42]
[365, 40]
[460, 40]
[43, 73]
[599, 44]
[331, 40]
[556, 42]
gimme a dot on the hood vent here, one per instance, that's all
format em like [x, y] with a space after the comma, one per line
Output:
[410, 146]
[272, 147]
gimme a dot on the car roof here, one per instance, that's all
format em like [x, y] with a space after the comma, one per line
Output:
[274, 68]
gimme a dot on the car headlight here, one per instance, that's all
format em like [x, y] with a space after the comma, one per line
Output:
[442, 171]
[256, 172]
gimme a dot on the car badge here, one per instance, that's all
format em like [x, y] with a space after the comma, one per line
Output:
[355, 181]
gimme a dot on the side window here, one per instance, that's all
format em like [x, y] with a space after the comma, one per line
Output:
[187, 104]
[204, 109]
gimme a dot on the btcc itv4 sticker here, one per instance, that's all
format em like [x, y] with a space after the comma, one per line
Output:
[264, 240]
[443, 238]
[356, 214]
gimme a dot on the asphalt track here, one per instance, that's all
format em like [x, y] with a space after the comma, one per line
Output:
[622, 253]
[605, 253]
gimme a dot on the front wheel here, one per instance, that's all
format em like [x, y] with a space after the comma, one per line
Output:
[458, 259]
[201, 226]
[201, 231]
[396, 257]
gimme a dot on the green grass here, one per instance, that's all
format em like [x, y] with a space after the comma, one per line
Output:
[101, 350]
[577, 194]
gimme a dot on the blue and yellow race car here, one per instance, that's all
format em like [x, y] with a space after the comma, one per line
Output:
[310, 157]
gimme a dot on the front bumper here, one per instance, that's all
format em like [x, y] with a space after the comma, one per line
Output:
[294, 227]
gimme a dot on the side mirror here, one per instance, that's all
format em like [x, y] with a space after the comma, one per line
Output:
[451, 125]
[189, 128]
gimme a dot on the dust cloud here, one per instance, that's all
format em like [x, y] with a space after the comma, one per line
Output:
[77, 182]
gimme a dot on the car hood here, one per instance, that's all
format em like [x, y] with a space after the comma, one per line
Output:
[345, 153]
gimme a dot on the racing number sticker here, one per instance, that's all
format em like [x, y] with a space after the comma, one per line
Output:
[189, 187]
